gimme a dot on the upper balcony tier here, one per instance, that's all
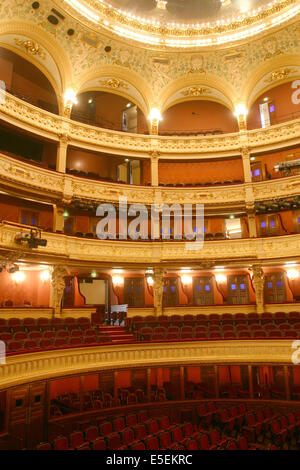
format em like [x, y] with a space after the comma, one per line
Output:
[42, 123]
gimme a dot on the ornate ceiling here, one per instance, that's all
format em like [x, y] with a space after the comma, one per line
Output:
[75, 53]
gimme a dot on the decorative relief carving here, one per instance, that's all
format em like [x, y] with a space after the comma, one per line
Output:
[279, 75]
[31, 47]
[196, 91]
[57, 287]
[114, 83]
[258, 281]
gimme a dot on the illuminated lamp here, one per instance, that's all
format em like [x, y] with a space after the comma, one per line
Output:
[18, 277]
[292, 274]
[45, 276]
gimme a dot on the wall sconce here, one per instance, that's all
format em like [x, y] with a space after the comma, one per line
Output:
[18, 277]
[150, 281]
[221, 278]
[45, 276]
[292, 274]
[117, 281]
[70, 97]
[186, 280]
[240, 110]
[155, 115]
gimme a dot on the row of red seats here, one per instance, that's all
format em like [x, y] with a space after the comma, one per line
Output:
[278, 318]
[26, 345]
[174, 333]
[43, 323]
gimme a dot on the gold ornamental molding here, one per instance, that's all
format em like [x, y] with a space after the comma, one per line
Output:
[40, 122]
[114, 83]
[74, 250]
[31, 47]
[196, 91]
[280, 75]
[25, 368]
[18, 176]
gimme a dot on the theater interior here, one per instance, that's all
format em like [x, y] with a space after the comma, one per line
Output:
[153, 341]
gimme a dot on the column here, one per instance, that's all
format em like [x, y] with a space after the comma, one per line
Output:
[158, 278]
[61, 158]
[57, 287]
[246, 164]
[154, 168]
[258, 281]
[58, 218]
[251, 220]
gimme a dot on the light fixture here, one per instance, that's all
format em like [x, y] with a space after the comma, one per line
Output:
[93, 274]
[292, 274]
[66, 213]
[155, 115]
[150, 280]
[240, 110]
[90, 101]
[70, 96]
[128, 105]
[252, 159]
[126, 160]
[220, 278]
[232, 216]
[45, 276]
[186, 280]
[18, 277]
[266, 98]
[118, 281]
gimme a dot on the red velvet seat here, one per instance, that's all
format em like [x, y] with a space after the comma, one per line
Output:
[49, 334]
[200, 335]
[152, 443]
[14, 346]
[106, 428]
[227, 319]
[61, 443]
[113, 441]
[62, 334]
[61, 342]
[57, 323]
[275, 334]
[294, 317]
[138, 446]
[176, 320]
[140, 432]
[127, 436]
[76, 332]
[119, 424]
[3, 325]
[244, 334]
[189, 320]
[90, 340]
[259, 334]
[145, 333]
[164, 439]
[76, 341]
[201, 319]
[30, 344]
[99, 444]
[163, 321]
[131, 420]
[15, 324]
[191, 444]
[36, 335]
[44, 446]
[43, 323]
[20, 336]
[229, 335]
[91, 433]
[215, 335]
[280, 317]
[45, 343]
[214, 319]
[204, 443]
[152, 426]
[77, 440]
[266, 318]
[253, 318]
[29, 324]
[5, 337]
[240, 318]
[143, 416]
[186, 332]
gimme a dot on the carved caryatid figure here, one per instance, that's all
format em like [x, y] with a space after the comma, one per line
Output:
[158, 290]
[258, 281]
[57, 287]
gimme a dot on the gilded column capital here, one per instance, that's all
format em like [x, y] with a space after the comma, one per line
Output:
[64, 139]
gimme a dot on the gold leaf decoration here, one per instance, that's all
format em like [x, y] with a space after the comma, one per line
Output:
[31, 47]
[196, 91]
[113, 83]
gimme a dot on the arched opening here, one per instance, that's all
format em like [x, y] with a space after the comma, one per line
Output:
[197, 117]
[110, 111]
[26, 81]
[279, 104]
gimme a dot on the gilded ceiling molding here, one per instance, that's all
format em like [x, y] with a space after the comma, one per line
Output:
[50, 45]
[197, 81]
[121, 74]
[31, 47]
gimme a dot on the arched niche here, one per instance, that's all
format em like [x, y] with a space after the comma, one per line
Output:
[197, 117]
[281, 103]
[110, 111]
[26, 81]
